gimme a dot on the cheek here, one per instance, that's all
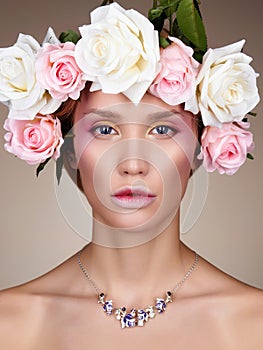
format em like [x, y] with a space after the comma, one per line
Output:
[86, 155]
[183, 166]
[169, 168]
[181, 151]
[97, 164]
[187, 144]
[176, 174]
[91, 179]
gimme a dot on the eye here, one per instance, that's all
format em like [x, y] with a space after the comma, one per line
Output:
[163, 130]
[104, 130]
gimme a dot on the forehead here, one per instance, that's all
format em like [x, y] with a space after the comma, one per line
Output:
[118, 109]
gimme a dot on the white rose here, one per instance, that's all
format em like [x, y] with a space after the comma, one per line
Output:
[119, 51]
[226, 88]
[51, 37]
[18, 86]
[45, 105]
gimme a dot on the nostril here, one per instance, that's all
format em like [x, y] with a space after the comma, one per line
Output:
[133, 167]
[126, 172]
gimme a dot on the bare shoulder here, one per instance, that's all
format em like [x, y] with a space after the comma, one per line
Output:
[249, 311]
[21, 315]
[57, 281]
[245, 297]
[236, 305]
[25, 309]
[246, 317]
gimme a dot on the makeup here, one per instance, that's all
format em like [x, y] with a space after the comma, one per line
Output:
[135, 197]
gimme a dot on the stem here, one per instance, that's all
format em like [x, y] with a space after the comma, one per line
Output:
[154, 4]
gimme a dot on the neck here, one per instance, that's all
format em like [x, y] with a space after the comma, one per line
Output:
[134, 275]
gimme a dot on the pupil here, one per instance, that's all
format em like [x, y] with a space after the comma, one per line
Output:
[105, 130]
[162, 129]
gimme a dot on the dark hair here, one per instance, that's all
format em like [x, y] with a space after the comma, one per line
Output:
[65, 114]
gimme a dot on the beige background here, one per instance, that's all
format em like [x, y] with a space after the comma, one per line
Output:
[35, 237]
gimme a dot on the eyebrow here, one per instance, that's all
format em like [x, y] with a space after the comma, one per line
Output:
[153, 117]
[104, 113]
[116, 117]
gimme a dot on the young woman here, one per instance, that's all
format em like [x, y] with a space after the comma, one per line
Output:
[130, 142]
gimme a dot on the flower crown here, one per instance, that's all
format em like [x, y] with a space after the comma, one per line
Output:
[122, 51]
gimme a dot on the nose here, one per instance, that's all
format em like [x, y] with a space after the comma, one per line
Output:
[133, 166]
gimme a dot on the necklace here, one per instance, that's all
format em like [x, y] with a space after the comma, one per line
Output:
[136, 317]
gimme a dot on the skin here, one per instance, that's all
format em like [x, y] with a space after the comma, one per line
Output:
[130, 259]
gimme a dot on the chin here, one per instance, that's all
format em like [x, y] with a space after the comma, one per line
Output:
[131, 219]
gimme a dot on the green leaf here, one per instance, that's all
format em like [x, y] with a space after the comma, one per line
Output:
[169, 3]
[164, 43]
[157, 17]
[197, 3]
[164, 3]
[42, 166]
[249, 156]
[59, 167]
[70, 35]
[198, 56]
[172, 7]
[252, 114]
[191, 24]
[169, 6]
[154, 14]
[178, 34]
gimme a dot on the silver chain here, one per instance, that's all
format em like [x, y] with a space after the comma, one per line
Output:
[86, 273]
[179, 284]
[188, 273]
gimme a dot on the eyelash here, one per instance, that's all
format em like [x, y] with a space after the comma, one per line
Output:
[98, 130]
[170, 131]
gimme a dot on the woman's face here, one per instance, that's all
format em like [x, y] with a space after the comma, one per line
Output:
[134, 160]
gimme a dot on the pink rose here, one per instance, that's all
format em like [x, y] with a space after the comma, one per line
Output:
[175, 82]
[34, 140]
[58, 72]
[225, 148]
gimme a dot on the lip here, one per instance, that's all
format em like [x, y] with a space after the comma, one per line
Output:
[134, 197]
